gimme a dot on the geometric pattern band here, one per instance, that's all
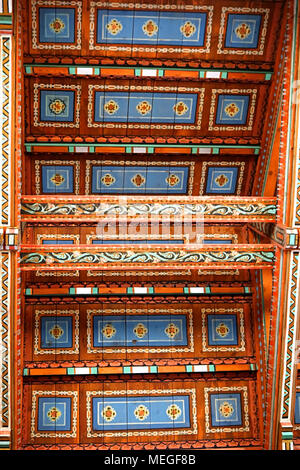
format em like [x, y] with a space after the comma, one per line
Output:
[5, 343]
[5, 123]
[5, 211]
[290, 339]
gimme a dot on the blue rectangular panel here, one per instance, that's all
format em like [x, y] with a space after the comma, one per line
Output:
[139, 179]
[139, 330]
[155, 28]
[242, 31]
[56, 332]
[221, 180]
[226, 409]
[57, 179]
[54, 414]
[136, 242]
[297, 408]
[57, 25]
[57, 105]
[58, 242]
[222, 330]
[215, 241]
[232, 109]
[141, 412]
[179, 108]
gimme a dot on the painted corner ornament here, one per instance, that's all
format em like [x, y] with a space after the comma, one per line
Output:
[114, 27]
[56, 331]
[171, 330]
[226, 409]
[109, 413]
[57, 179]
[108, 179]
[222, 330]
[172, 180]
[140, 330]
[150, 28]
[232, 110]
[180, 108]
[57, 25]
[188, 29]
[221, 180]
[141, 412]
[108, 331]
[54, 414]
[138, 180]
[173, 411]
[57, 106]
[111, 107]
[144, 107]
[242, 31]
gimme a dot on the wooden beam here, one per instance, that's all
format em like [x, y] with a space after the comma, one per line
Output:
[171, 208]
[143, 257]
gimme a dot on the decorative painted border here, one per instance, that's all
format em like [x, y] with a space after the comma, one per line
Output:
[236, 208]
[222, 163]
[222, 31]
[17, 157]
[55, 3]
[234, 272]
[167, 367]
[54, 236]
[174, 432]
[226, 236]
[138, 290]
[242, 257]
[90, 163]
[139, 273]
[152, 88]
[281, 105]
[56, 393]
[56, 86]
[57, 273]
[74, 350]
[129, 350]
[5, 123]
[297, 200]
[151, 7]
[133, 144]
[290, 340]
[236, 91]
[185, 237]
[5, 420]
[75, 164]
[241, 329]
[244, 391]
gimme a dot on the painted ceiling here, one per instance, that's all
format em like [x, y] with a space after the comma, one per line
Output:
[105, 89]
[164, 104]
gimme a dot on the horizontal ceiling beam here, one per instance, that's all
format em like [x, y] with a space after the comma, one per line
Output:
[210, 73]
[164, 209]
[35, 371]
[144, 257]
[95, 290]
[142, 145]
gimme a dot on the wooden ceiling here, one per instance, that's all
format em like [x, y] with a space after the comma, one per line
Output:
[172, 106]
[104, 82]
